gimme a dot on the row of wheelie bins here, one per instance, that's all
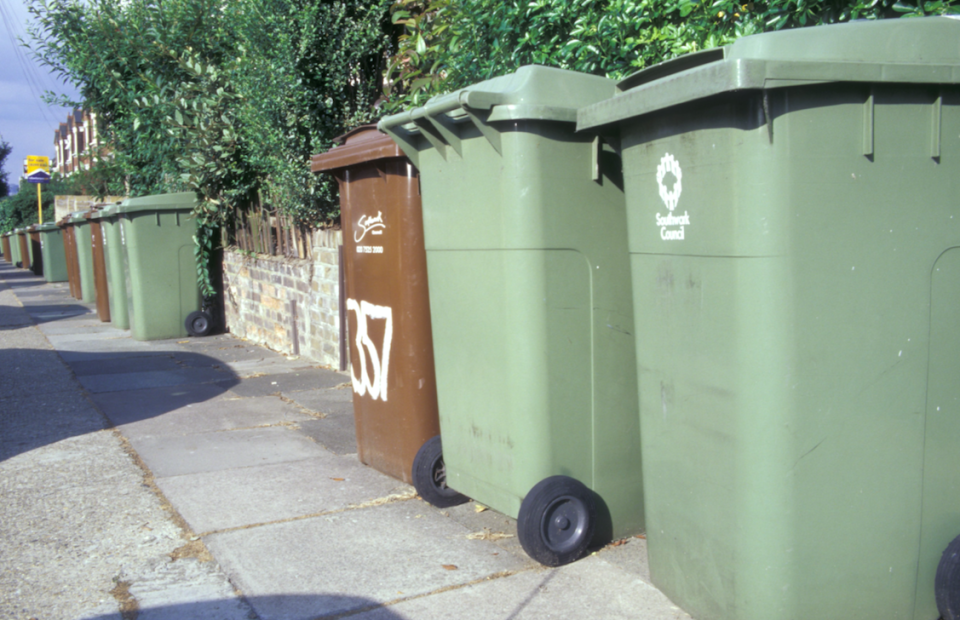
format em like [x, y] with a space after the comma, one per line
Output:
[712, 303]
[134, 260]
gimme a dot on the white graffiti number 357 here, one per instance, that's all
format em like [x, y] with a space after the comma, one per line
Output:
[377, 385]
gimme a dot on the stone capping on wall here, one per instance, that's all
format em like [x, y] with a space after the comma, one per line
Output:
[290, 305]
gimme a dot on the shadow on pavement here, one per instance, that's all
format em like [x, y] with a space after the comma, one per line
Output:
[281, 606]
[41, 400]
[51, 312]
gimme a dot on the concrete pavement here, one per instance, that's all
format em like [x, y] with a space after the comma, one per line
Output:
[212, 478]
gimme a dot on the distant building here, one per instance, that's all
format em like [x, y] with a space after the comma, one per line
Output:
[77, 143]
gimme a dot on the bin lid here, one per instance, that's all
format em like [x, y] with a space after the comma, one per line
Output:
[77, 217]
[363, 144]
[93, 213]
[531, 93]
[46, 227]
[922, 50]
[110, 210]
[180, 201]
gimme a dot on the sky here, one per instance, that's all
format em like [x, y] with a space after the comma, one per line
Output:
[26, 122]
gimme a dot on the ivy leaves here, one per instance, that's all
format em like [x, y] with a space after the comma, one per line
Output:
[449, 44]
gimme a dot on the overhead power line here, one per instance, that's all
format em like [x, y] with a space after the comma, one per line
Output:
[33, 81]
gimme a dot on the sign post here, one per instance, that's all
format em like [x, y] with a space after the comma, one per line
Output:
[37, 168]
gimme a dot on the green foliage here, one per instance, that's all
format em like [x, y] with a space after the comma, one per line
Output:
[322, 64]
[226, 99]
[20, 209]
[449, 44]
[5, 150]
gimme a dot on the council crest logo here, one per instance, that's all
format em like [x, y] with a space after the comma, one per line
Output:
[672, 227]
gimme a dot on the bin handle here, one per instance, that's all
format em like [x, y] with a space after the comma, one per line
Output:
[405, 139]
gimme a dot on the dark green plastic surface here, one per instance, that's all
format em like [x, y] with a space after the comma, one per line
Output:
[159, 265]
[54, 259]
[794, 221]
[525, 233]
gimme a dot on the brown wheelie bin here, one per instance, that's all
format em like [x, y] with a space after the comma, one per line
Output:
[99, 265]
[5, 247]
[70, 251]
[388, 309]
[36, 250]
[23, 240]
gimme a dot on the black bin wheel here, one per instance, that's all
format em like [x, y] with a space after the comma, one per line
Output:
[430, 476]
[198, 323]
[556, 521]
[946, 584]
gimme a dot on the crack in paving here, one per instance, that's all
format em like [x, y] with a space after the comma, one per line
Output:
[380, 501]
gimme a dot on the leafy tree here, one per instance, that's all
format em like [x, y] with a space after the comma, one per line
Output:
[20, 209]
[322, 64]
[5, 150]
[226, 99]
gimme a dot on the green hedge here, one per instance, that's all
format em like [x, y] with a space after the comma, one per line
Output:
[448, 44]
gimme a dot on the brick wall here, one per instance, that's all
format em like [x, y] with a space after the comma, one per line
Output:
[289, 305]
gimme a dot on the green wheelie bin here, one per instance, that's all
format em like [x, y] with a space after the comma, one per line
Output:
[163, 298]
[51, 249]
[83, 239]
[794, 217]
[113, 257]
[525, 234]
[14, 247]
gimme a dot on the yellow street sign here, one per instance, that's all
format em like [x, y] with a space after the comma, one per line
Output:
[37, 162]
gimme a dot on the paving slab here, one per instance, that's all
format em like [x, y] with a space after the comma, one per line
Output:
[87, 350]
[185, 590]
[82, 337]
[327, 401]
[336, 433]
[55, 312]
[295, 381]
[590, 588]
[75, 325]
[152, 379]
[218, 414]
[190, 454]
[37, 420]
[10, 319]
[381, 553]
[149, 360]
[120, 408]
[78, 520]
[25, 371]
[230, 349]
[485, 523]
[230, 498]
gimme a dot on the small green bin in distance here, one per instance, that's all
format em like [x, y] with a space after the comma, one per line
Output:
[794, 219]
[159, 265]
[530, 302]
[84, 241]
[51, 248]
[113, 255]
[14, 247]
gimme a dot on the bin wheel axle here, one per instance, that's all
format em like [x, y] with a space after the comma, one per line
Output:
[556, 521]
[430, 476]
